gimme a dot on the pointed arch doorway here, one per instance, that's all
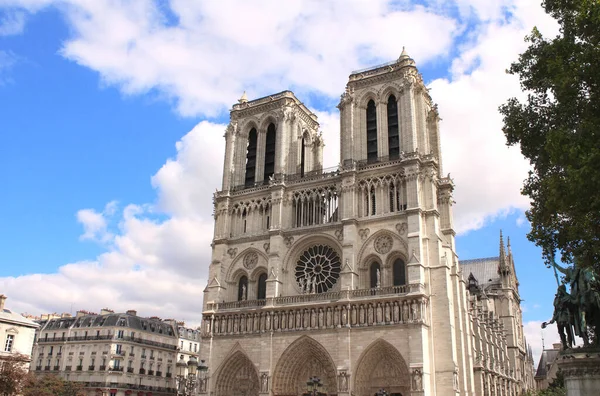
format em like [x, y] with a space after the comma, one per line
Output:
[381, 366]
[303, 359]
[237, 377]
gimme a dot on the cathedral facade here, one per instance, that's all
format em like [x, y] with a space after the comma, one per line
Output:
[351, 274]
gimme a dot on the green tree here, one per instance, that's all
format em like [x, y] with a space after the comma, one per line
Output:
[51, 385]
[13, 373]
[558, 130]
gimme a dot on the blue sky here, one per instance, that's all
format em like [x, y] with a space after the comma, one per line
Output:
[112, 115]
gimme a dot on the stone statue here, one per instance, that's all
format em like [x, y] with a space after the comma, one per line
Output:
[343, 381]
[264, 382]
[563, 317]
[582, 303]
[378, 278]
[417, 380]
[302, 282]
[244, 293]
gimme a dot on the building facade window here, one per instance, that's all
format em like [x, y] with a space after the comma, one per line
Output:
[262, 287]
[8, 345]
[393, 130]
[371, 131]
[270, 152]
[251, 159]
[399, 272]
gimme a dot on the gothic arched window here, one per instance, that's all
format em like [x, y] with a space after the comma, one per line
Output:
[375, 275]
[302, 158]
[261, 293]
[270, 152]
[373, 202]
[243, 288]
[399, 272]
[393, 135]
[251, 159]
[371, 131]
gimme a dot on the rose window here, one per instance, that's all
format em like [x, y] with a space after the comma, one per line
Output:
[318, 269]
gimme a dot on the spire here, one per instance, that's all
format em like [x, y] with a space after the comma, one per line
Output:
[244, 98]
[502, 258]
[403, 55]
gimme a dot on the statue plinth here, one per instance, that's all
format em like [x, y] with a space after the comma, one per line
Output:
[581, 369]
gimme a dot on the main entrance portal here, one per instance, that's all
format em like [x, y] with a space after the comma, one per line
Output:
[303, 359]
[382, 367]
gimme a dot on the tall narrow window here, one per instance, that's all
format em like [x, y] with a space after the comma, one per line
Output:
[399, 272]
[302, 159]
[262, 287]
[393, 135]
[373, 202]
[375, 275]
[243, 288]
[8, 345]
[371, 132]
[270, 152]
[251, 159]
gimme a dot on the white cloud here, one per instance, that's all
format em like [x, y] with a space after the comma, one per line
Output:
[95, 224]
[12, 22]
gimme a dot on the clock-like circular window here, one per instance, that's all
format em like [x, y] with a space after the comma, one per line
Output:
[318, 269]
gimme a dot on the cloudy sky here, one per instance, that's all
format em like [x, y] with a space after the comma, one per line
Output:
[112, 116]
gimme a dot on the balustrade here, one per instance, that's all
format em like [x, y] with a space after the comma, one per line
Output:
[386, 309]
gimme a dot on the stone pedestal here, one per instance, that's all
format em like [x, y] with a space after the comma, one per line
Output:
[581, 371]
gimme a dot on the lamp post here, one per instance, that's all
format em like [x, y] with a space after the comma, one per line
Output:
[186, 384]
[313, 385]
[382, 392]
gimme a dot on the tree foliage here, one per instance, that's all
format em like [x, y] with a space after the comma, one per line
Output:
[558, 130]
[13, 372]
[51, 385]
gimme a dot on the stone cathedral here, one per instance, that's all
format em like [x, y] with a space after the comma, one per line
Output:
[351, 274]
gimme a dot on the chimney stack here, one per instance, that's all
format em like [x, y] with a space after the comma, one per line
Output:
[131, 312]
[2, 301]
[106, 311]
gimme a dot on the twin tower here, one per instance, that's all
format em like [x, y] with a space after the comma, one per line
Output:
[348, 274]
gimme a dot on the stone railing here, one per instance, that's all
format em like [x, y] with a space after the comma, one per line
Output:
[376, 310]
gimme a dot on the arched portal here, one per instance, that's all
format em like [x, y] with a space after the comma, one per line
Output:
[237, 377]
[303, 359]
[381, 366]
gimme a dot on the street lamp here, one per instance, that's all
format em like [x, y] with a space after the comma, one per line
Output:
[382, 392]
[186, 384]
[313, 385]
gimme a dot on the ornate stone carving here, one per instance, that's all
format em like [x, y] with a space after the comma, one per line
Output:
[232, 252]
[250, 260]
[417, 380]
[364, 233]
[343, 381]
[264, 382]
[267, 247]
[339, 234]
[383, 244]
[401, 228]
[288, 241]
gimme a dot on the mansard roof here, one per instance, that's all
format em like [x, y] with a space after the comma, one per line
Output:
[151, 325]
[548, 357]
[485, 270]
